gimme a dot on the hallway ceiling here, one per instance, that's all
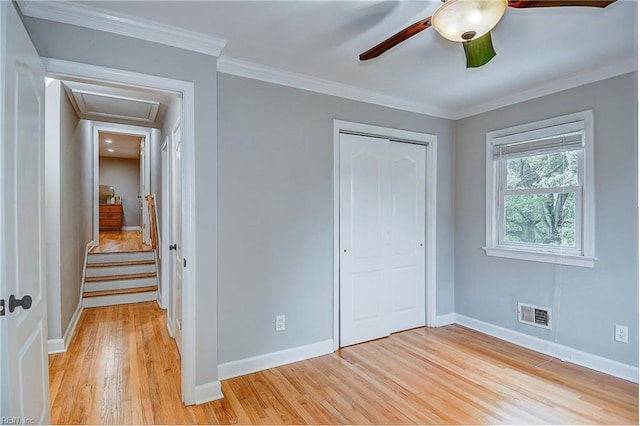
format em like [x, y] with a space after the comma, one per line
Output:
[116, 104]
[539, 51]
[123, 146]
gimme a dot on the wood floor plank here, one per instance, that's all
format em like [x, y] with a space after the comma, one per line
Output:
[120, 242]
[123, 368]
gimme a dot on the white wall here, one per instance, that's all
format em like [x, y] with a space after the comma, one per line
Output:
[69, 194]
[171, 116]
[155, 161]
[586, 303]
[124, 175]
[52, 205]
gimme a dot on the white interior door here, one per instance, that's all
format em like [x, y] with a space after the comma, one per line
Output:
[24, 387]
[176, 209]
[382, 230]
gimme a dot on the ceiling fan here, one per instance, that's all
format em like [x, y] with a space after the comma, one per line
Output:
[470, 22]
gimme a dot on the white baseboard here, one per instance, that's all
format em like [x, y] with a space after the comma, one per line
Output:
[447, 319]
[273, 359]
[55, 346]
[565, 353]
[91, 244]
[131, 228]
[208, 392]
[61, 345]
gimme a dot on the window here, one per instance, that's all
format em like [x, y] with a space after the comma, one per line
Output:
[540, 203]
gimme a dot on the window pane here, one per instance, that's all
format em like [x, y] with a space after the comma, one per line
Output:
[547, 219]
[543, 171]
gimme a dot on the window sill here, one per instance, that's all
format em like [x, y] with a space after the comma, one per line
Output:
[558, 259]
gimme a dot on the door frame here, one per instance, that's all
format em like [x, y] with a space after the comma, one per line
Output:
[61, 69]
[164, 231]
[431, 143]
[171, 263]
[98, 127]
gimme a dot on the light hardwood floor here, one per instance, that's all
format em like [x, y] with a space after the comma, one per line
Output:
[120, 241]
[122, 367]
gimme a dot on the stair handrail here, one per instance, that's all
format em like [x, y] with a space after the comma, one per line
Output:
[153, 216]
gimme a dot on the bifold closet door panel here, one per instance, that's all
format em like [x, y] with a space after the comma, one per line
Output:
[364, 248]
[407, 162]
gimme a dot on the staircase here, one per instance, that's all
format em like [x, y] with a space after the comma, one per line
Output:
[118, 278]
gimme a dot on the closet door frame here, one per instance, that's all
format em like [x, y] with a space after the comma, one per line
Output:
[430, 141]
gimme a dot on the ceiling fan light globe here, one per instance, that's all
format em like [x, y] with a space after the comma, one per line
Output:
[455, 18]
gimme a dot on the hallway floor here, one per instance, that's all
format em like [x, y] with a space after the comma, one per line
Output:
[120, 241]
[122, 367]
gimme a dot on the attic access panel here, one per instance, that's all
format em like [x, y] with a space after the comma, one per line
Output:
[115, 107]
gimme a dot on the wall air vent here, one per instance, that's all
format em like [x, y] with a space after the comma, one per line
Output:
[534, 315]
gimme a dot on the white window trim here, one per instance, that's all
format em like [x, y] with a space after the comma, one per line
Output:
[585, 224]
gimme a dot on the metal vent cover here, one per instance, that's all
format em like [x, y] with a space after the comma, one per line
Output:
[536, 316]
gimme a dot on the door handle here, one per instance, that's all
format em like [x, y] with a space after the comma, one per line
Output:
[25, 303]
[173, 247]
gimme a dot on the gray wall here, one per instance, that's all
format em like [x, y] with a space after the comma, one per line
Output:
[124, 175]
[71, 43]
[276, 213]
[586, 303]
[275, 206]
[69, 194]
[76, 195]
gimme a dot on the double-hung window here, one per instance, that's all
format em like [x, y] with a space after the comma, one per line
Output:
[540, 203]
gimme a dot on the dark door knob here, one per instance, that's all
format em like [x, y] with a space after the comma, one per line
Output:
[25, 302]
[173, 247]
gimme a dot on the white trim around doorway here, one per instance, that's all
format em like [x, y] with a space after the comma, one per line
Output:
[69, 70]
[98, 127]
[431, 143]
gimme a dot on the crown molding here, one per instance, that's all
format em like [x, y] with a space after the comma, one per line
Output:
[96, 19]
[592, 75]
[228, 65]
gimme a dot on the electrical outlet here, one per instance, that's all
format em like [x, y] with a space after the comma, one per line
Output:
[622, 333]
[280, 324]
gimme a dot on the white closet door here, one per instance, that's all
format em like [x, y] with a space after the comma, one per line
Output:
[364, 246]
[382, 232]
[407, 236]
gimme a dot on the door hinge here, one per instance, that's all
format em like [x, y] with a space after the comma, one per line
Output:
[184, 262]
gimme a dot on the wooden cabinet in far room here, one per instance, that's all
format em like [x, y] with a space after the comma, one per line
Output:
[110, 217]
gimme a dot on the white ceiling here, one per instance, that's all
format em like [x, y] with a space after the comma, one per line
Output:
[538, 50]
[123, 146]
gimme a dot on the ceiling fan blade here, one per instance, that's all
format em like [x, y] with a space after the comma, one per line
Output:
[396, 39]
[479, 51]
[558, 3]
